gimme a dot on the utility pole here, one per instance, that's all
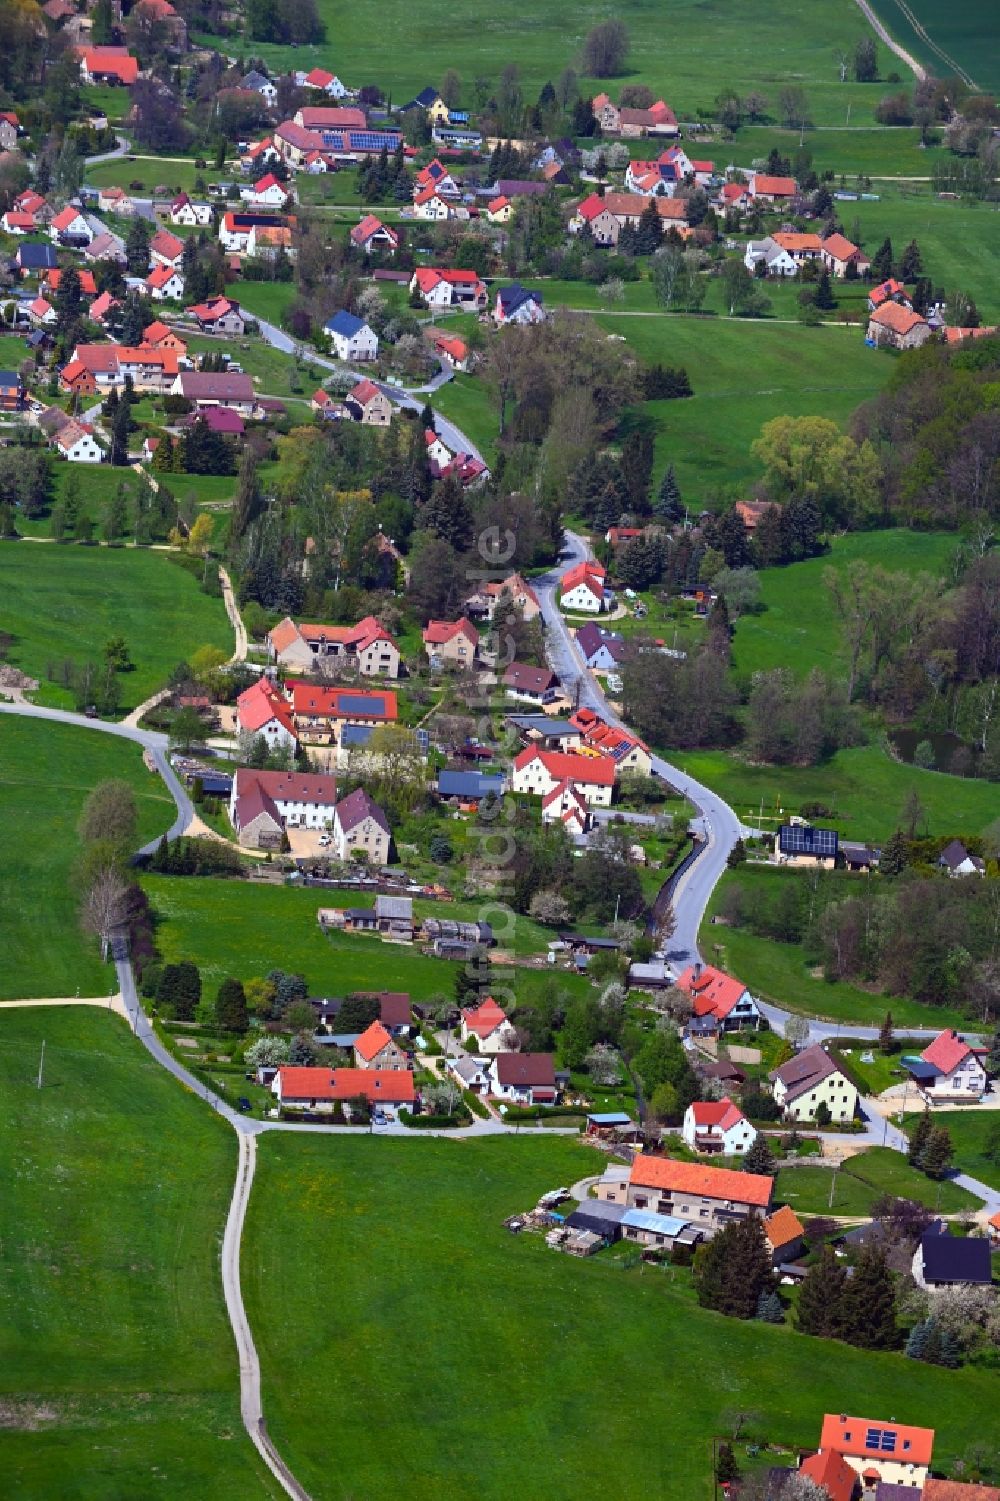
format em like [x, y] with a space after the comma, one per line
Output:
[833, 1186]
[41, 1064]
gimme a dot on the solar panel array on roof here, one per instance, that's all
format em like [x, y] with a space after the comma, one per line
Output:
[881, 1438]
[802, 839]
[366, 704]
[360, 140]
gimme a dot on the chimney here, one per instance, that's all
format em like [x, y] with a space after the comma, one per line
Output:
[697, 968]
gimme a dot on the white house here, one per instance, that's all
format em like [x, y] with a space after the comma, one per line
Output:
[541, 772]
[304, 799]
[164, 284]
[567, 805]
[361, 828]
[948, 1069]
[267, 192]
[956, 860]
[70, 223]
[76, 442]
[488, 1024]
[722, 999]
[263, 710]
[351, 338]
[583, 589]
[184, 211]
[717, 1126]
[524, 1078]
[810, 1081]
[769, 253]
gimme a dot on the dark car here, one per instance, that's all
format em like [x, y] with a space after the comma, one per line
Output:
[243, 1104]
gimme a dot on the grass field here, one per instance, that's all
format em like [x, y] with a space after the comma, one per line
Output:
[864, 787]
[966, 34]
[779, 973]
[66, 602]
[970, 1131]
[799, 628]
[46, 771]
[118, 1375]
[739, 46]
[243, 929]
[404, 1306]
[264, 299]
[885, 150]
[467, 403]
[743, 374]
[150, 173]
[862, 1180]
[99, 482]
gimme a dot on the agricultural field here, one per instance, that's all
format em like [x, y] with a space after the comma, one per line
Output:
[66, 602]
[118, 1375]
[176, 174]
[798, 628]
[959, 242]
[414, 1231]
[99, 482]
[46, 771]
[862, 1180]
[963, 36]
[738, 46]
[779, 973]
[243, 929]
[884, 151]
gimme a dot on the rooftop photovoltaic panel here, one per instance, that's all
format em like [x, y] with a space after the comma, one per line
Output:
[356, 703]
[796, 839]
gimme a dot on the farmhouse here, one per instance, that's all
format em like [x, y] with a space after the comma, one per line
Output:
[719, 997]
[320, 712]
[879, 1450]
[361, 829]
[184, 210]
[767, 189]
[535, 685]
[710, 1197]
[366, 647]
[949, 1068]
[626, 750]
[263, 710]
[451, 642]
[103, 367]
[76, 443]
[540, 772]
[811, 1081]
[264, 801]
[842, 258]
[114, 65]
[717, 1126]
[350, 337]
[783, 1231]
[567, 805]
[583, 588]
[385, 1091]
[608, 216]
[513, 590]
[895, 327]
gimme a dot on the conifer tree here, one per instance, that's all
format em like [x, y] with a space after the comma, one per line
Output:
[882, 261]
[918, 1140]
[669, 506]
[759, 1159]
[869, 1303]
[231, 1012]
[910, 262]
[886, 1038]
[937, 1153]
[821, 1297]
[733, 1269]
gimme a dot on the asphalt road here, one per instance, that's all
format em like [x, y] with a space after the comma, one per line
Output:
[716, 822]
[453, 436]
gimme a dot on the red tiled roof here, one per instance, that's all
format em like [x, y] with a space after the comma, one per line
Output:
[894, 316]
[161, 276]
[112, 60]
[371, 225]
[364, 392]
[721, 1113]
[947, 1051]
[395, 1086]
[564, 766]
[885, 290]
[782, 1227]
[289, 786]
[372, 1040]
[485, 1018]
[774, 187]
[847, 1435]
[958, 1490]
[87, 284]
[713, 992]
[66, 217]
[438, 632]
[669, 1175]
[343, 703]
[841, 248]
[831, 1471]
[591, 574]
[333, 117]
[261, 703]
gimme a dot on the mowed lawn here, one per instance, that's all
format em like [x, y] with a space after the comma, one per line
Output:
[98, 483]
[779, 973]
[744, 372]
[46, 771]
[466, 402]
[245, 929]
[862, 1180]
[799, 627]
[959, 242]
[864, 788]
[971, 1132]
[383, 1288]
[740, 46]
[118, 1373]
[67, 602]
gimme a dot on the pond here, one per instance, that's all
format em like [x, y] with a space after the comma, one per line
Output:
[944, 745]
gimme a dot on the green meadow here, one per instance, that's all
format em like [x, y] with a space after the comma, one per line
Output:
[46, 771]
[405, 1307]
[66, 602]
[118, 1373]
